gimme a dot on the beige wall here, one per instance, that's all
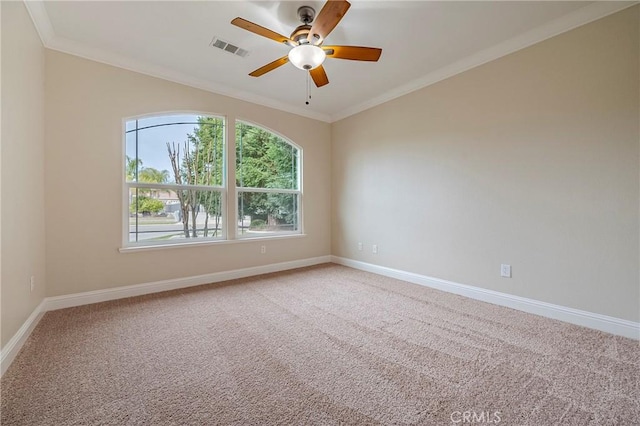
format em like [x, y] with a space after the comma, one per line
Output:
[23, 227]
[530, 160]
[85, 104]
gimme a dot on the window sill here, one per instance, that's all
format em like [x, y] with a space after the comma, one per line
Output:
[133, 249]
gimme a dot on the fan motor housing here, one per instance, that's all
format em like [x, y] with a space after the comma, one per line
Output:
[300, 34]
[306, 14]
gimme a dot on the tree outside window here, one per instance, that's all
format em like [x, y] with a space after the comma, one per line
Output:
[267, 182]
[175, 169]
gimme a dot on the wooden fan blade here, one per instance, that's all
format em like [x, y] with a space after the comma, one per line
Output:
[354, 53]
[262, 31]
[270, 67]
[331, 13]
[319, 76]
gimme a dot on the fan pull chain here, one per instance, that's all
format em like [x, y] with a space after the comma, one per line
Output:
[308, 88]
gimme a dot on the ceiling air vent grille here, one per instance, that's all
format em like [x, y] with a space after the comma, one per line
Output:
[228, 47]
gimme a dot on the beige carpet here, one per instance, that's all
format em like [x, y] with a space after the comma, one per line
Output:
[325, 345]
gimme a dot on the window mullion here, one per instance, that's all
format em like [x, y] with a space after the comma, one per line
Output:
[230, 183]
[268, 190]
[174, 186]
[142, 221]
[272, 174]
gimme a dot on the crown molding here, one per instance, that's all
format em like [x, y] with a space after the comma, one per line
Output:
[77, 49]
[41, 20]
[582, 16]
[43, 25]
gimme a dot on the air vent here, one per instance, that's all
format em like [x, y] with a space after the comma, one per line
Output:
[228, 47]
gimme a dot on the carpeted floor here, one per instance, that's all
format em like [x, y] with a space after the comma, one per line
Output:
[324, 345]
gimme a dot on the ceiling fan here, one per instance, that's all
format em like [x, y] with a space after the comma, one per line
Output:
[306, 41]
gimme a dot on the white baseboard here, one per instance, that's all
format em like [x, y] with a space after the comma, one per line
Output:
[13, 346]
[587, 319]
[97, 296]
[11, 349]
[600, 322]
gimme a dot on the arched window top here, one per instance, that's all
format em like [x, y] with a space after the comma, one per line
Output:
[250, 123]
[176, 180]
[267, 182]
[149, 138]
[174, 173]
[265, 159]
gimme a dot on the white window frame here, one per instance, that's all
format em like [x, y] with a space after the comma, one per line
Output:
[239, 189]
[161, 186]
[230, 230]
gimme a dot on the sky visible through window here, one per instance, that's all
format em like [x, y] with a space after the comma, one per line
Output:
[152, 142]
[158, 212]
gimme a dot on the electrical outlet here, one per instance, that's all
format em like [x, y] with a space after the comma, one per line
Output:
[374, 249]
[360, 246]
[505, 271]
[263, 249]
[32, 283]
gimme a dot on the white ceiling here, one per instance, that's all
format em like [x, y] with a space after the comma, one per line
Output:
[422, 42]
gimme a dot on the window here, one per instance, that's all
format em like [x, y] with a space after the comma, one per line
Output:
[176, 189]
[267, 183]
[175, 178]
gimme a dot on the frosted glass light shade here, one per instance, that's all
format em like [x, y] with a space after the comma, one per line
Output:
[307, 56]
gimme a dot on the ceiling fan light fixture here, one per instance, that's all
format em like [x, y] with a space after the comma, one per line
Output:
[306, 39]
[307, 56]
